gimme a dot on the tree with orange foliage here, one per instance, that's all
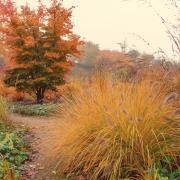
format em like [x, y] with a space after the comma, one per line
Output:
[40, 43]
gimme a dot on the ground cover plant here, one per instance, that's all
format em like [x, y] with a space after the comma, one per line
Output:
[13, 150]
[33, 109]
[119, 130]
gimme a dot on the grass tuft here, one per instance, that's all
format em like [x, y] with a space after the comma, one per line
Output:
[118, 130]
[3, 109]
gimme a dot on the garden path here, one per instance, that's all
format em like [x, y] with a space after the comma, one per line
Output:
[43, 136]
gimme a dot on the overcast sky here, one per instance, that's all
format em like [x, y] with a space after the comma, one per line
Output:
[107, 22]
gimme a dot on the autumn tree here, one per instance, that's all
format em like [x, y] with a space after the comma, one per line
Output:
[40, 43]
[134, 54]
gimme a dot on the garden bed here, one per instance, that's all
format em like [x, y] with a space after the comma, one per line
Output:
[13, 151]
[33, 109]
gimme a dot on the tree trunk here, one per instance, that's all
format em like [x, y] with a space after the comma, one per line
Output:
[40, 95]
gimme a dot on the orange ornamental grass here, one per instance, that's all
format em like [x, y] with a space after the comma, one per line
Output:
[120, 130]
[3, 109]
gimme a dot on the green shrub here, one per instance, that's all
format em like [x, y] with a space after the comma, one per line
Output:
[164, 169]
[13, 152]
[33, 110]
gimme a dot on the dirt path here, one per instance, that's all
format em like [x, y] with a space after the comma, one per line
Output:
[44, 137]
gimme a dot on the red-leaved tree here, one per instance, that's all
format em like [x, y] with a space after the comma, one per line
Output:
[39, 44]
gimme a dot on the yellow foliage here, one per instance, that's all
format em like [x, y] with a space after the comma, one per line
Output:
[113, 131]
[3, 109]
[69, 89]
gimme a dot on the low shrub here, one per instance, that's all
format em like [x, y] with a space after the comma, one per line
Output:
[13, 152]
[10, 93]
[115, 131]
[33, 109]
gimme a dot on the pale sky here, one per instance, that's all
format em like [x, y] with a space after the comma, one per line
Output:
[107, 22]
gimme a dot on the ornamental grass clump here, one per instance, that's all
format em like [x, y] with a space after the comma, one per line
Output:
[3, 109]
[118, 130]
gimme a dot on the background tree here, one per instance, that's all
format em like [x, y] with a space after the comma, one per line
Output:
[89, 53]
[40, 43]
[134, 54]
[84, 64]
